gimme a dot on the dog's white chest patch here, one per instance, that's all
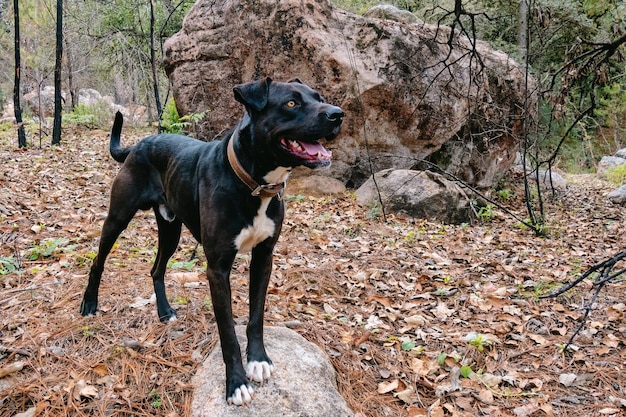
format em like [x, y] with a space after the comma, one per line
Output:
[261, 228]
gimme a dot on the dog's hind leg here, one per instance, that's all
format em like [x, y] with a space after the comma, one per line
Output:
[259, 366]
[169, 235]
[117, 220]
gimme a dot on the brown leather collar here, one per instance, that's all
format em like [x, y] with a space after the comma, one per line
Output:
[265, 190]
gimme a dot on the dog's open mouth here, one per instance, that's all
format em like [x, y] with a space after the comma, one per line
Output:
[308, 151]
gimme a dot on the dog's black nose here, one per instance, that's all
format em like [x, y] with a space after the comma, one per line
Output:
[334, 114]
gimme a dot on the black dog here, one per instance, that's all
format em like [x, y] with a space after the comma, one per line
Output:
[228, 193]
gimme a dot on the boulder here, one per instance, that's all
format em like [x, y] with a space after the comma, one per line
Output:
[607, 162]
[406, 95]
[89, 97]
[316, 186]
[419, 194]
[618, 196]
[303, 384]
[621, 153]
[548, 180]
[45, 97]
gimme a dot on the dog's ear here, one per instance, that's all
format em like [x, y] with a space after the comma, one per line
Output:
[295, 80]
[253, 95]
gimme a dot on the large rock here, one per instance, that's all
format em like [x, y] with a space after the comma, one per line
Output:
[405, 93]
[419, 194]
[41, 101]
[608, 162]
[548, 180]
[618, 196]
[303, 384]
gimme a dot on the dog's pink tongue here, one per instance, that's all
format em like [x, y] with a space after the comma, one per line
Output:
[315, 148]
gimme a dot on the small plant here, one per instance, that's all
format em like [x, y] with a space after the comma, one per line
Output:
[443, 356]
[374, 212]
[155, 398]
[182, 300]
[88, 331]
[466, 371]
[504, 194]
[85, 258]
[186, 265]
[191, 122]
[478, 340]
[8, 265]
[441, 292]
[485, 213]
[172, 122]
[45, 248]
[408, 345]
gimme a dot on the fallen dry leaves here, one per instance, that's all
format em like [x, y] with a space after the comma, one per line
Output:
[418, 318]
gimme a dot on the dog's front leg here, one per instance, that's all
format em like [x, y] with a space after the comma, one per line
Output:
[259, 365]
[238, 389]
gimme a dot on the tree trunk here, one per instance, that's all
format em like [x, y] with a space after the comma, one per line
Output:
[155, 80]
[56, 129]
[70, 78]
[522, 36]
[17, 107]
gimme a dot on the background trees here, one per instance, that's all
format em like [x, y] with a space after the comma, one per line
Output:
[110, 46]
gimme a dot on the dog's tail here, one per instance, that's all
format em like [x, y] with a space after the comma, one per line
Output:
[117, 152]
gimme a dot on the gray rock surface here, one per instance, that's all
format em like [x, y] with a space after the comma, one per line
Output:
[419, 194]
[621, 153]
[303, 383]
[609, 162]
[618, 196]
[548, 180]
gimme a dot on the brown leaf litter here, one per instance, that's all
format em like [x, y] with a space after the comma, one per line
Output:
[418, 318]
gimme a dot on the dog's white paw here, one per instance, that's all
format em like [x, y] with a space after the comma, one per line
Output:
[259, 371]
[242, 396]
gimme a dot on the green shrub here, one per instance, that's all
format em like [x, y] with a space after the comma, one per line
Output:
[88, 115]
[616, 174]
[170, 120]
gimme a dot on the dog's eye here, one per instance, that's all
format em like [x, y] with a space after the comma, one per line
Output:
[291, 104]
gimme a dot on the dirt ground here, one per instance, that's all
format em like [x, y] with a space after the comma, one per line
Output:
[417, 317]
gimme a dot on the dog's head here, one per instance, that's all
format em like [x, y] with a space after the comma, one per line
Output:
[289, 120]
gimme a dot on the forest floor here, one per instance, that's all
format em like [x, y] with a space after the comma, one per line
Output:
[418, 318]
